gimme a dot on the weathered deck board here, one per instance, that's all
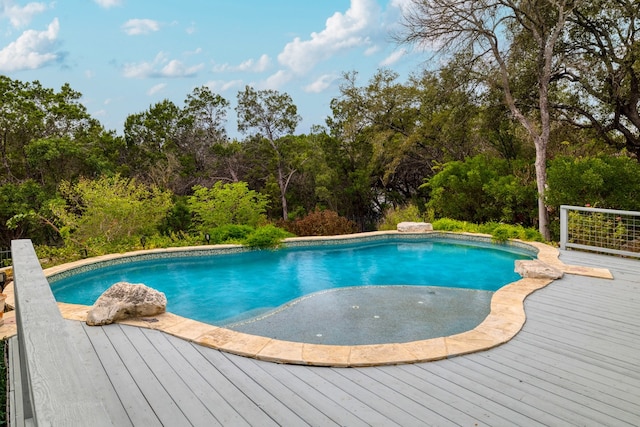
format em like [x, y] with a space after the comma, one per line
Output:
[575, 362]
[131, 396]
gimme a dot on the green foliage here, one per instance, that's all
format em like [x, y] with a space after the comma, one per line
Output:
[230, 233]
[268, 112]
[482, 189]
[394, 216]
[448, 224]
[605, 182]
[504, 232]
[321, 223]
[225, 204]
[268, 236]
[178, 219]
[605, 230]
[20, 208]
[499, 232]
[109, 209]
[177, 239]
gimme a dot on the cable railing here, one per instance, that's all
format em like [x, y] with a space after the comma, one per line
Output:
[5, 257]
[608, 231]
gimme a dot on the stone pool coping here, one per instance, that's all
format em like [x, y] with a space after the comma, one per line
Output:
[505, 320]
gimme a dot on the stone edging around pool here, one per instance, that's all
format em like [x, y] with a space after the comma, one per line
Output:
[504, 321]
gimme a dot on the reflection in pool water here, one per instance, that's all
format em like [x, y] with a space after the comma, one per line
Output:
[217, 289]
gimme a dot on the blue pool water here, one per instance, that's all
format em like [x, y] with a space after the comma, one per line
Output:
[221, 288]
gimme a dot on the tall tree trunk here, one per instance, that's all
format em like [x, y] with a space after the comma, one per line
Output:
[282, 184]
[541, 182]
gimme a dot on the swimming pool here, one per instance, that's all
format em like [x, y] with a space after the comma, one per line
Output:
[227, 287]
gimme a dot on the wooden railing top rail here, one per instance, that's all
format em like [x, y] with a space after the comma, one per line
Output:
[58, 390]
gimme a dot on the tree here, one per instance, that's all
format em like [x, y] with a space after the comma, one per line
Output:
[225, 204]
[175, 147]
[271, 115]
[109, 209]
[484, 189]
[611, 182]
[152, 140]
[40, 128]
[17, 202]
[203, 120]
[483, 30]
[602, 71]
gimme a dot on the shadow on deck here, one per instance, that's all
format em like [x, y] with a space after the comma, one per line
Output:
[575, 362]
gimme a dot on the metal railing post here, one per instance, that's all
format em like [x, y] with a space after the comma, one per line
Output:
[564, 227]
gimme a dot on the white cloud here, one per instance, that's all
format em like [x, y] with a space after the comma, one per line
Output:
[196, 51]
[393, 58]
[372, 50]
[135, 27]
[32, 50]
[401, 5]
[21, 16]
[157, 88]
[191, 29]
[321, 84]
[277, 80]
[342, 32]
[161, 66]
[223, 86]
[177, 68]
[107, 4]
[250, 65]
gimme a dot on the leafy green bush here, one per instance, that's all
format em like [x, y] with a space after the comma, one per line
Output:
[268, 236]
[227, 204]
[394, 216]
[605, 182]
[482, 189]
[499, 232]
[321, 223]
[109, 209]
[448, 224]
[178, 219]
[230, 233]
[504, 232]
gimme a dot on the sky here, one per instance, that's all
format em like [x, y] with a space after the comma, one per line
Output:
[126, 55]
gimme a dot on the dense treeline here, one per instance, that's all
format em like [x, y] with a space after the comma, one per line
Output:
[468, 141]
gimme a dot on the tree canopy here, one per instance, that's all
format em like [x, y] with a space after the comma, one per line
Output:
[528, 105]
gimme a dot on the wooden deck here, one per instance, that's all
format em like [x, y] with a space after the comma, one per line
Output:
[576, 362]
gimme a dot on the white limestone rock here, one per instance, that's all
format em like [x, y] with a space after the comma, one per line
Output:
[126, 300]
[536, 269]
[414, 227]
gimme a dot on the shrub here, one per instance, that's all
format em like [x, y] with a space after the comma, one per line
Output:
[268, 236]
[225, 204]
[499, 232]
[482, 189]
[321, 223]
[394, 216]
[109, 209]
[447, 224]
[230, 233]
[606, 182]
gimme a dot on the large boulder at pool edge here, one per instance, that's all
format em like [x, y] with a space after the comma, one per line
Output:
[414, 227]
[126, 300]
[536, 269]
